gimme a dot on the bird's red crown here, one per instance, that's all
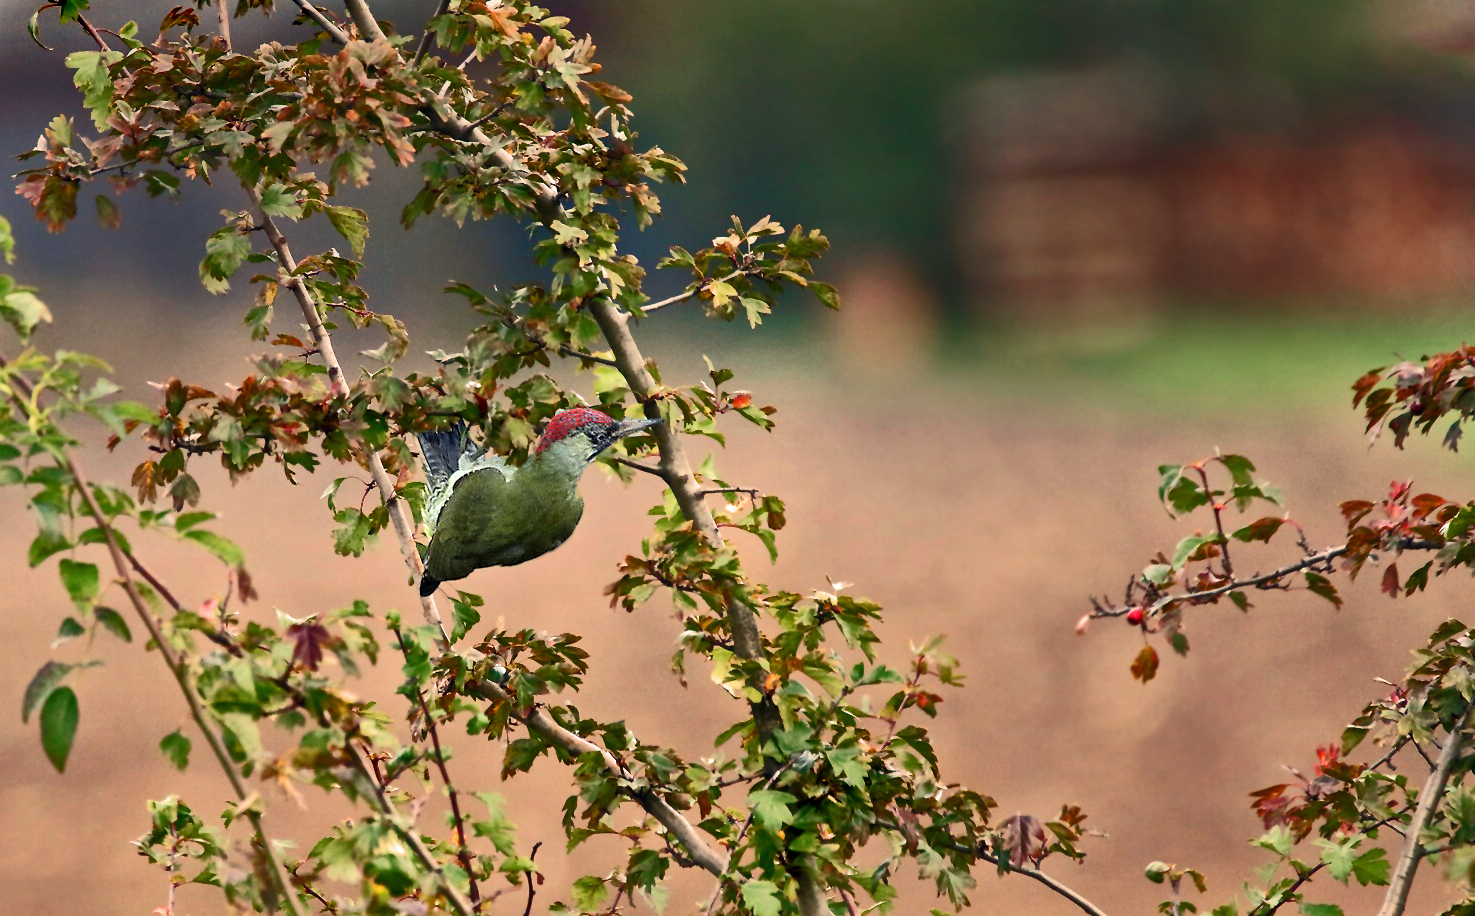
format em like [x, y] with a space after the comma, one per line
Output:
[570, 421]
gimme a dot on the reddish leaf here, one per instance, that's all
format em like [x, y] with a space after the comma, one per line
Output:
[1354, 509]
[311, 638]
[1365, 384]
[1024, 839]
[1262, 530]
[1271, 804]
[1391, 581]
[1425, 503]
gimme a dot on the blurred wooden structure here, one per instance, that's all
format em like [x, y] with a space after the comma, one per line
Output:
[1081, 197]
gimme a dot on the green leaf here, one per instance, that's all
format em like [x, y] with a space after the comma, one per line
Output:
[771, 808]
[114, 623]
[762, 898]
[351, 223]
[224, 252]
[1372, 867]
[1188, 546]
[1158, 574]
[1338, 858]
[176, 747]
[223, 548]
[279, 200]
[42, 683]
[22, 310]
[1321, 909]
[81, 581]
[59, 726]
[588, 893]
[92, 76]
[70, 629]
[1321, 585]
[826, 294]
[466, 615]
[108, 214]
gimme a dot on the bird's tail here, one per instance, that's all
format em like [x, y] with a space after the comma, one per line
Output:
[442, 450]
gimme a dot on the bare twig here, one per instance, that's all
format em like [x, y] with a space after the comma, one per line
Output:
[532, 889]
[635, 465]
[1429, 798]
[428, 35]
[334, 30]
[692, 293]
[222, 18]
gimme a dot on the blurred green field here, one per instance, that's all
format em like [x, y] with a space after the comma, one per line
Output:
[1253, 362]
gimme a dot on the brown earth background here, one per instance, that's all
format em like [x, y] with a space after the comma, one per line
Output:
[972, 445]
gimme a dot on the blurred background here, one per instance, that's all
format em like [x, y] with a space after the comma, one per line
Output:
[1075, 239]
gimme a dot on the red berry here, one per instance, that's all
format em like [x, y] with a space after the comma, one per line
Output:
[1134, 616]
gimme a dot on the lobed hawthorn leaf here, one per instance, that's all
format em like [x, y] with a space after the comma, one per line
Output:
[351, 223]
[762, 898]
[1023, 837]
[1144, 666]
[176, 747]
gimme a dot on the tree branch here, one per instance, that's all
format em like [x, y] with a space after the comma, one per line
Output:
[426, 37]
[399, 515]
[682, 297]
[1429, 798]
[173, 662]
[363, 20]
[538, 720]
[334, 30]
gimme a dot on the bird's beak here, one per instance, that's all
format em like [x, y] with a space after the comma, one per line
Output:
[629, 427]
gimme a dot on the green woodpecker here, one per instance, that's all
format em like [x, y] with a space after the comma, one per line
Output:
[482, 512]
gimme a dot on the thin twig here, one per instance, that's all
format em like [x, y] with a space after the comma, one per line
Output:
[1218, 521]
[24, 397]
[423, 47]
[398, 514]
[334, 30]
[691, 293]
[463, 853]
[638, 466]
[737, 844]
[101, 45]
[532, 890]
[703, 854]
[1429, 798]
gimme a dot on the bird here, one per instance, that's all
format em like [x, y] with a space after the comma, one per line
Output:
[484, 512]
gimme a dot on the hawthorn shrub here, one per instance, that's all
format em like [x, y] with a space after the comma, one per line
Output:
[826, 751]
